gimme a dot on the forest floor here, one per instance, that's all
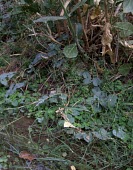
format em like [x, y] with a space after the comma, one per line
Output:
[62, 114]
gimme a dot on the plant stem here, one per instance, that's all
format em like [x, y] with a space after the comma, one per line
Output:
[68, 19]
[106, 10]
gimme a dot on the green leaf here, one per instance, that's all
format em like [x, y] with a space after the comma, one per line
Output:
[5, 77]
[42, 100]
[75, 112]
[14, 103]
[87, 77]
[90, 100]
[63, 96]
[38, 58]
[82, 135]
[86, 74]
[40, 120]
[97, 92]
[13, 87]
[119, 133]
[70, 51]
[112, 99]
[53, 99]
[125, 28]
[79, 30]
[125, 69]
[87, 137]
[87, 81]
[128, 6]
[61, 123]
[96, 108]
[101, 134]
[77, 6]
[79, 135]
[50, 18]
[96, 81]
[71, 118]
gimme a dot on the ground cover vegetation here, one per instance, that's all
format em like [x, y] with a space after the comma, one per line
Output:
[66, 84]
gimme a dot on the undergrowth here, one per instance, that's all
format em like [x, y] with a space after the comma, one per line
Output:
[66, 85]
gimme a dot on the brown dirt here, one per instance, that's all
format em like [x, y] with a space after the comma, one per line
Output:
[22, 125]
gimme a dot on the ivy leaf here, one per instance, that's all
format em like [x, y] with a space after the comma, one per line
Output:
[128, 6]
[87, 77]
[75, 112]
[112, 99]
[126, 28]
[58, 63]
[71, 118]
[70, 51]
[53, 99]
[5, 77]
[79, 135]
[40, 120]
[87, 81]
[103, 99]
[13, 88]
[90, 100]
[96, 81]
[38, 58]
[87, 137]
[63, 97]
[82, 135]
[96, 108]
[101, 134]
[119, 133]
[86, 74]
[14, 103]
[42, 100]
[97, 92]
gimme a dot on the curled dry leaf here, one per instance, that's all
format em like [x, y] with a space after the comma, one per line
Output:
[96, 12]
[85, 8]
[106, 42]
[26, 155]
[60, 112]
[65, 6]
[68, 124]
[96, 2]
[99, 69]
[126, 44]
[73, 167]
[111, 1]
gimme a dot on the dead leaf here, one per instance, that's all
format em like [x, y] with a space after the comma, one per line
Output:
[27, 155]
[65, 6]
[72, 167]
[96, 2]
[99, 69]
[126, 44]
[111, 1]
[85, 8]
[106, 42]
[68, 124]
[95, 13]
[64, 154]
[60, 112]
